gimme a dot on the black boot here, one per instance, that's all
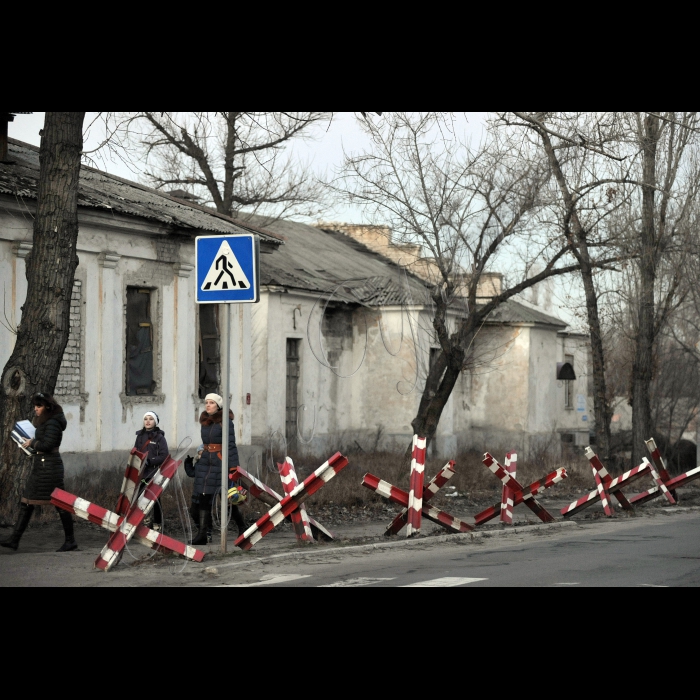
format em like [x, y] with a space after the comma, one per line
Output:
[25, 514]
[67, 521]
[201, 536]
[238, 519]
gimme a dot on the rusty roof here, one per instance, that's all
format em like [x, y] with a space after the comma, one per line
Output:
[109, 193]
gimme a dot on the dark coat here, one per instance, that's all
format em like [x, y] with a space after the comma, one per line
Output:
[154, 443]
[207, 474]
[47, 467]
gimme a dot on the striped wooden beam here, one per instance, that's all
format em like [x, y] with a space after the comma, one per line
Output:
[397, 495]
[292, 501]
[270, 497]
[111, 521]
[610, 486]
[415, 493]
[300, 519]
[130, 482]
[507, 502]
[520, 494]
[112, 551]
[435, 484]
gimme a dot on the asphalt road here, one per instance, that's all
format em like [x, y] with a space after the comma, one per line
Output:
[662, 549]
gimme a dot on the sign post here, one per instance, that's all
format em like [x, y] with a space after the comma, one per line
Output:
[225, 317]
[227, 272]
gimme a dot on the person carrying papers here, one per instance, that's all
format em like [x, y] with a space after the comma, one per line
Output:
[47, 469]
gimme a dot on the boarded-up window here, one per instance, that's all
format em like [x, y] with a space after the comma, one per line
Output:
[209, 352]
[292, 403]
[139, 342]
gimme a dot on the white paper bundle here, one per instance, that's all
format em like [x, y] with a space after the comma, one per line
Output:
[22, 432]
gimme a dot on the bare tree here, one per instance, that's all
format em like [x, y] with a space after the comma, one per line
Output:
[587, 157]
[670, 178]
[465, 209]
[233, 161]
[42, 334]
[627, 181]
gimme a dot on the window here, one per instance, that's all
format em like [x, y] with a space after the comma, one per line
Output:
[209, 349]
[292, 403]
[139, 342]
[569, 385]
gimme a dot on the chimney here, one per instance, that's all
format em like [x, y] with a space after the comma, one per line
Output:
[5, 119]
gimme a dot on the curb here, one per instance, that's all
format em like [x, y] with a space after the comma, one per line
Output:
[457, 537]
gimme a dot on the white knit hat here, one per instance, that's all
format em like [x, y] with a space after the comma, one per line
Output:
[153, 414]
[215, 397]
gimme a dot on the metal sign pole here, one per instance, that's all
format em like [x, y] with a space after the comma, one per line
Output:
[225, 373]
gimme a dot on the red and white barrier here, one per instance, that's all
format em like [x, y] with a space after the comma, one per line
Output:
[127, 528]
[292, 501]
[397, 495]
[435, 484]
[606, 486]
[270, 497]
[300, 520]
[126, 522]
[669, 484]
[130, 482]
[507, 503]
[415, 493]
[111, 521]
[520, 494]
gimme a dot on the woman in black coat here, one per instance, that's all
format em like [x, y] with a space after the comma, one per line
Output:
[151, 440]
[207, 470]
[47, 471]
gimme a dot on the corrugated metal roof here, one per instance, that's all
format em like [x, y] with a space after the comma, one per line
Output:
[512, 311]
[321, 261]
[324, 261]
[100, 190]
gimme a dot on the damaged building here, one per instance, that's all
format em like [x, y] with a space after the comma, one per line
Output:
[343, 339]
[138, 341]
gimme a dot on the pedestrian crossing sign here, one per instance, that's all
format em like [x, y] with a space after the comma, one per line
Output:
[227, 269]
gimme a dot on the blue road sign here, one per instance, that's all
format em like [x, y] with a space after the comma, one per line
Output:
[227, 269]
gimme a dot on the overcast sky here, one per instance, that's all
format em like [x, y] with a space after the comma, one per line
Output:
[325, 156]
[324, 153]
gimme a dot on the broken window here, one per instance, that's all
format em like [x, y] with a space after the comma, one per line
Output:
[292, 404]
[209, 350]
[139, 342]
[569, 384]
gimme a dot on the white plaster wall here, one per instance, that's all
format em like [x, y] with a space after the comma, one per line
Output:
[107, 428]
[571, 420]
[370, 392]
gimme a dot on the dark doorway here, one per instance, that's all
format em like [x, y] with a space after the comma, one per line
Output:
[293, 374]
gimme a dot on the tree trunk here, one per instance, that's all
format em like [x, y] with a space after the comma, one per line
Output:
[441, 380]
[642, 369]
[601, 407]
[42, 334]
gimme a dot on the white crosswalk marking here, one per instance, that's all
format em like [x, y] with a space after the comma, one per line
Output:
[566, 583]
[355, 582]
[445, 582]
[270, 580]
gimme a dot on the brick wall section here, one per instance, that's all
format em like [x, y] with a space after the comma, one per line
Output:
[68, 384]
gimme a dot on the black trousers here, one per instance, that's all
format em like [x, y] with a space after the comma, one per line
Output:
[205, 502]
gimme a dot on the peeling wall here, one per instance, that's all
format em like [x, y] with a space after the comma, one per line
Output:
[508, 399]
[102, 420]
